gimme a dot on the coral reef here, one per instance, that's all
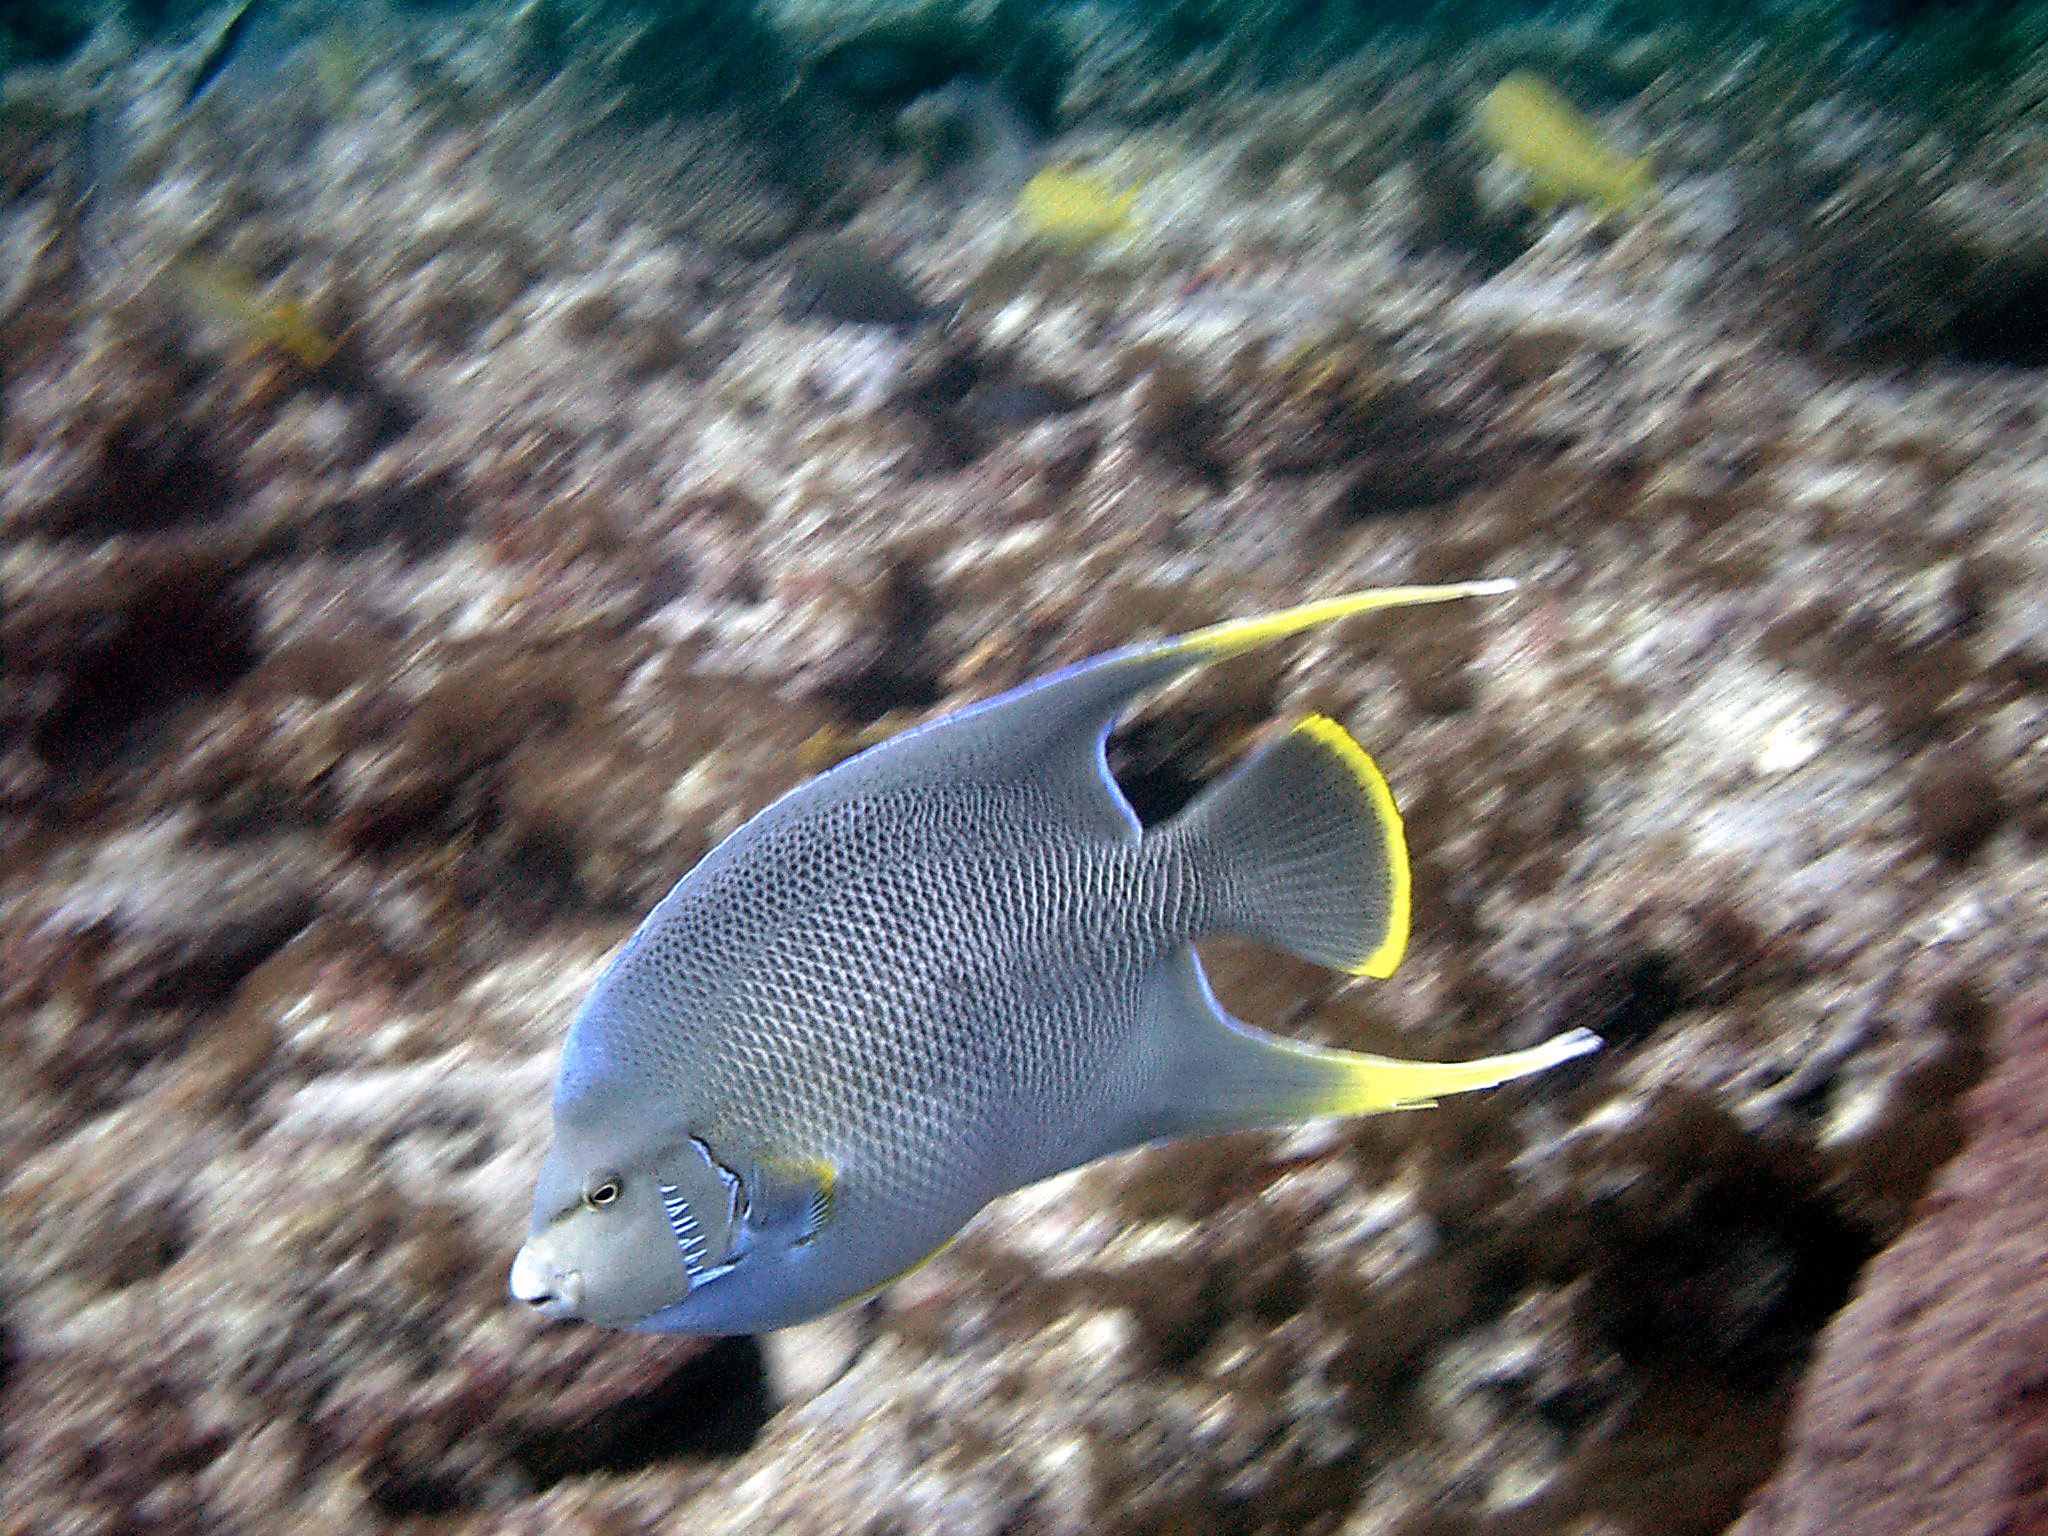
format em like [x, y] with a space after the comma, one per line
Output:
[674, 440]
[1923, 1411]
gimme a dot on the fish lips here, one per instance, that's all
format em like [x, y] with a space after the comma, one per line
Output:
[549, 1291]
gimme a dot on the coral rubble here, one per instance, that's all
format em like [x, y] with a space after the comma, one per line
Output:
[675, 438]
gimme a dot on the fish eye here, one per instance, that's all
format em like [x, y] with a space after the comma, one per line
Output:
[603, 1191]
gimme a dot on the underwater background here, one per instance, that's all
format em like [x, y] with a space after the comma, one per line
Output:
[457, 460]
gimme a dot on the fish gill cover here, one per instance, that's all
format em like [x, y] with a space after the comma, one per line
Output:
[353, 713]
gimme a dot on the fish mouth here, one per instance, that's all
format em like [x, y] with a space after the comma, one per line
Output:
[549, 1291]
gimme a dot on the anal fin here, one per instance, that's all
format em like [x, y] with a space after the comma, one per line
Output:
[1216, 1074]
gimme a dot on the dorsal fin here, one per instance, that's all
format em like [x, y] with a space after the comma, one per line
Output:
[1052, 728]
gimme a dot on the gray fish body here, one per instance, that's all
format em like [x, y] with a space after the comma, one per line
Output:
[946, 969]
[960, 972]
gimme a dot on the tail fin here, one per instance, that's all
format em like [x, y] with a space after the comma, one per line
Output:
[1305, 845]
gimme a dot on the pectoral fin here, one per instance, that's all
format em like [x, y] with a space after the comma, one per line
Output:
[785, 1201]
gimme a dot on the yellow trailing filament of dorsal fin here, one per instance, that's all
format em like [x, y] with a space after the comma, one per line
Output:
[1234, 635]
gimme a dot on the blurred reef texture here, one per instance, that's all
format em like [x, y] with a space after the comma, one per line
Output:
[466, 457]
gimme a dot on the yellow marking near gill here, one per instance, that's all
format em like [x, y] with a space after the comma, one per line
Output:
[821, 1174]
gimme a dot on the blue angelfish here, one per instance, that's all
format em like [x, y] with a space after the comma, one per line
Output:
[952, 966]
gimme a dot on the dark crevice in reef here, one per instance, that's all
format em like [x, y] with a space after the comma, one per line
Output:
[1715, 1265]
[204, 970]
[148, 1231]
[154, 475]
[421, 518]
[1187, 429]
[895, 668]
[524, 875]
[2002, 319]
[713, 1406]
[179, 638]
[404, 1492]
[1713, 1254]
[1706, 1261]
[1644, 992]
[1736, 1291]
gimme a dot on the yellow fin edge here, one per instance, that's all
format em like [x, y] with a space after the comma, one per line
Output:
[1235, 635]
[1367, 1085]
[882, 1285]
[1338, 742]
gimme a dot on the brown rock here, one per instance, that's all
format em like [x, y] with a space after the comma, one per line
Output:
[346, 721]
[1924, 1415]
